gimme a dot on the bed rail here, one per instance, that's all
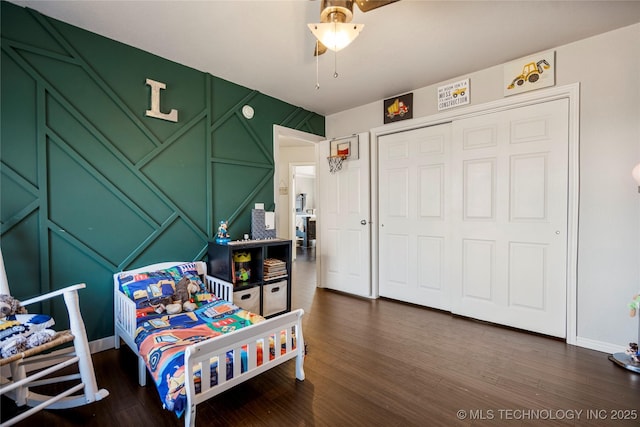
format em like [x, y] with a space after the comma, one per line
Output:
[211, 355]
[220, 288]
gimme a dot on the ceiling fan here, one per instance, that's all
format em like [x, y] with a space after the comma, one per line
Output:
[341, 11]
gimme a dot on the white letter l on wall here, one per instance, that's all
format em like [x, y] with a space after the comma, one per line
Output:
[155, 103]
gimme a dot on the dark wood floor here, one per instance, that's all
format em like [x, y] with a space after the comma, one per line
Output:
[381, 362]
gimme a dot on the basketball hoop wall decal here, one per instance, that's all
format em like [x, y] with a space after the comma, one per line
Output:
[341, 150]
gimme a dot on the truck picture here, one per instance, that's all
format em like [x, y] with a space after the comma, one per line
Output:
[530, 73]
[461, 91]
[397, 109]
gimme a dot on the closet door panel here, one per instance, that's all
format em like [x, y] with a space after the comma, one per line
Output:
[413, 185]
[509, 217]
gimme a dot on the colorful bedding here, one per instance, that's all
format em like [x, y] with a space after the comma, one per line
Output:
[162, 339]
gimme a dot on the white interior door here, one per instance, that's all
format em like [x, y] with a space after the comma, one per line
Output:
[509, 217]
[414, 229]
[343, 221]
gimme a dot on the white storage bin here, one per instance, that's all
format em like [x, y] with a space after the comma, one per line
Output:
[248, 299]
[274, 298]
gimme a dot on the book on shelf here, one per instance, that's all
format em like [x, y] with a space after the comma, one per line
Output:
[274, 269]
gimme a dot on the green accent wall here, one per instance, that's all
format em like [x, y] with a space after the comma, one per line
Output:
[90, 186]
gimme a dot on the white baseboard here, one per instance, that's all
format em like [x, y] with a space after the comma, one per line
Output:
[604, 347]
[102, 344]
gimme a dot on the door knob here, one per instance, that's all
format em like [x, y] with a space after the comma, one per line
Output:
[363, 222]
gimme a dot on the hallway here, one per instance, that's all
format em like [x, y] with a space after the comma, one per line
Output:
[303, 280]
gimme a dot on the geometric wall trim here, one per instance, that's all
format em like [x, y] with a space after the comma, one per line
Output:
[89, 185]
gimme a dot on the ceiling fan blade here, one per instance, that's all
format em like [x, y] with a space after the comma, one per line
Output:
[367, 5]
[321, 49]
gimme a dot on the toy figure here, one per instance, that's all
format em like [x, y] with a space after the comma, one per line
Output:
[9, 305]
[223, 235]
[633, 352]
[182, 295]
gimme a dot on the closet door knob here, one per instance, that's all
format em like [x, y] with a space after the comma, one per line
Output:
[363, 222]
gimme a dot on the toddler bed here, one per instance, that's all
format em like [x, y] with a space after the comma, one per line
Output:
[220, 344]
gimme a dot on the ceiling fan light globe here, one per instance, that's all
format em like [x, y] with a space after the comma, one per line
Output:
[334, 35]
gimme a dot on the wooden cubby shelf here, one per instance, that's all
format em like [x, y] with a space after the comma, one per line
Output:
[264, 286]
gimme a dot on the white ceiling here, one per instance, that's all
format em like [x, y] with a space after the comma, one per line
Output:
[265, 45]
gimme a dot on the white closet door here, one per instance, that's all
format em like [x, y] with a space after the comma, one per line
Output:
[414, 229]
[509, 217]
[344, 221]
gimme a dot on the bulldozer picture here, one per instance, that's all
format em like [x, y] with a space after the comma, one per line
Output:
[530, 73]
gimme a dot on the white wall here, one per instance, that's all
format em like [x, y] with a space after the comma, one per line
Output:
[307, 185]
[608, 69]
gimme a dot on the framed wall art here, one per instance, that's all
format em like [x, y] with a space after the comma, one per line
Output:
[398, 108]
[530, 73]
[453, 94]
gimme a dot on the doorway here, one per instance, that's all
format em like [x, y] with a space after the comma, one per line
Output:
[293, 149]
[303, 199]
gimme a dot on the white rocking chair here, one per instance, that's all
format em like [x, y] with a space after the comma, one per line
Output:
[16, 386]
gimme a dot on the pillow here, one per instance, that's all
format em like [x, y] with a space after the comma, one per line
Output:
[23, 325]
[147, 289]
